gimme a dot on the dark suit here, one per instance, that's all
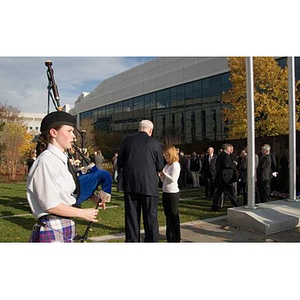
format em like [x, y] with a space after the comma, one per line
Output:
[183, 171]
[264, 176]
[141, 158]
[208, 171]
[225, 171]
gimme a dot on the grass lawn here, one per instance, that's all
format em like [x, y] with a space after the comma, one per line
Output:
[16, 220]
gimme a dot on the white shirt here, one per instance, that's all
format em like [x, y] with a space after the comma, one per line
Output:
[170, 178]
[49, 182]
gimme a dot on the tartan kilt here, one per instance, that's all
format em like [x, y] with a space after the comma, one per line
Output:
[51, 229]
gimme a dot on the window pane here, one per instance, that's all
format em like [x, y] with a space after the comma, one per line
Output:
[225, 78]
[215, 81]
[206, 83]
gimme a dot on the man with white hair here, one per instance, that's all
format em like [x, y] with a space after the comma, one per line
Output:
[208, 171]
[141, 158]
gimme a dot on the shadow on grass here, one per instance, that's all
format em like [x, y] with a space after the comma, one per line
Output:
[18, 203]
[100, 225]
[22, 222]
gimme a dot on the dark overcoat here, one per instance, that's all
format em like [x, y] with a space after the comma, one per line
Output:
[141, 158]
[225, 168]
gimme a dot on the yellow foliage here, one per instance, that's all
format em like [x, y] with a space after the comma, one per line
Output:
[16, 143]
[270, 98]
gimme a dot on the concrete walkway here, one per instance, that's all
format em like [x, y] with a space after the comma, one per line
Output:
[216, 230]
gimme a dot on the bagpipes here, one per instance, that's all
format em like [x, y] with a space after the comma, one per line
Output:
[87, 177]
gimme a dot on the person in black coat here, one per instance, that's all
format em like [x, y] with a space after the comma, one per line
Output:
[225, 177]
[208, 171]
[195, 167]
[284, 172]
[242, 169]
[141, 158]
[183, 170]
[264, 174]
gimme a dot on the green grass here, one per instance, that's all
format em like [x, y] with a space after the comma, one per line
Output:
[16, 220]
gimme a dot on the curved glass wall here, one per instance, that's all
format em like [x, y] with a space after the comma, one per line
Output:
[181, 114]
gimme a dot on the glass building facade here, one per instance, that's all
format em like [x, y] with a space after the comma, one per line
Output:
[181, 114]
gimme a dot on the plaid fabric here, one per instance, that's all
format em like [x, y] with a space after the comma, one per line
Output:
[56, 229]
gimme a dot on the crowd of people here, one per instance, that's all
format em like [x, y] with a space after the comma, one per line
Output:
[225, 174]
[140, 167]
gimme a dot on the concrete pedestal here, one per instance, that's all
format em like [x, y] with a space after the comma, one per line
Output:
[267, 218]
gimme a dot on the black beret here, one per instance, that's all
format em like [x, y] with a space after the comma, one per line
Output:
[57, 118]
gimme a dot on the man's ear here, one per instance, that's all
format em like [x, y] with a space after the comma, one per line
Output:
[150, 131]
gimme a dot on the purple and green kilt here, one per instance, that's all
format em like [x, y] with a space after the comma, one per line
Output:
[51, 229]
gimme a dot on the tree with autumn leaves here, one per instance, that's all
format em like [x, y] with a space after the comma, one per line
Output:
[270, 98]
[15, 142]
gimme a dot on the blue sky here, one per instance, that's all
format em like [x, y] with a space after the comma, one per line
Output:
[91, 41]
[23, 80]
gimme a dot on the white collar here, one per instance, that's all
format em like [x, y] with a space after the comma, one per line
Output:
[56, 151]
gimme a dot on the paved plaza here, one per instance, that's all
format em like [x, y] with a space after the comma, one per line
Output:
[217, 230]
